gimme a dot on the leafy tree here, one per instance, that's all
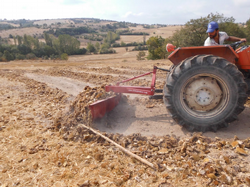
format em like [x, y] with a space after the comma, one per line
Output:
[30, 42]
[2, 48]
[14, 40]
[105, 48]
[26, 41]
[39, 49]
[48, 39]
[123, 44]
[24, 49]
[19, 39]
[68, 44]
[14, 50]
[20, 57]
[111, 37]
[48, 50]
[81, 51]
[91, 48]
[194, 31]
[144, 39]
[36, 43]
[156, 48]
[247, 30]
[97, 46]
[7, 56]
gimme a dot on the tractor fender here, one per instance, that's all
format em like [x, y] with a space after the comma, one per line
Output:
[224, 51]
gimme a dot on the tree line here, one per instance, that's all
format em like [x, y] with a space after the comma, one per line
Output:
[128, 32]
[28, 47]
[5, 26]
[70, 31]
[106, 46]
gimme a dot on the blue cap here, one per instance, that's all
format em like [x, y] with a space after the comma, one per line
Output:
[212, 26]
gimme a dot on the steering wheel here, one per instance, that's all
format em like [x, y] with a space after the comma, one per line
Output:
[236, 44]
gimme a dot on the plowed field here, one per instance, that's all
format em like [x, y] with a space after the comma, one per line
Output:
[43, 141]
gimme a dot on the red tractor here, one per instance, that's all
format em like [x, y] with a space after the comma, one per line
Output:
[206, 88]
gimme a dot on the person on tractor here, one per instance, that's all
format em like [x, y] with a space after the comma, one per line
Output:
[216, 37]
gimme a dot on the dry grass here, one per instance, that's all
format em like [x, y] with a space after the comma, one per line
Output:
[53, 21]
[21, 31]
[12, 24]
[164, 32]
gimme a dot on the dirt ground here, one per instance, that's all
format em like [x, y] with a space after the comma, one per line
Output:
[35, 153]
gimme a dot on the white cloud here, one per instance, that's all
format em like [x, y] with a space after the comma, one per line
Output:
[128, 14]
[242, 2]
[73, 2]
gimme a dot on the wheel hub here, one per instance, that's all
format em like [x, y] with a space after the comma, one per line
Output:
[202, 94]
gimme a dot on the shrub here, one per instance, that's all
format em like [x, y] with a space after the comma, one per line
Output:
[53, 57]
[123, 44]
[20, 56]
[7, 56]
[64, 56]
[107, 51]
[45, 57]
[140, 55]
[140, 48]
[31, 56]
[81, 51]
[116, 45]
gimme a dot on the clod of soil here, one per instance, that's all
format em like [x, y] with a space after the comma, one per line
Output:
[79, 111]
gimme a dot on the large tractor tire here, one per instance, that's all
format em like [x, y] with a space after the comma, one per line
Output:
[205, 93]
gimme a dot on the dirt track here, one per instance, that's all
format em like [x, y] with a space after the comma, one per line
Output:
[33, 93]
[136, 118]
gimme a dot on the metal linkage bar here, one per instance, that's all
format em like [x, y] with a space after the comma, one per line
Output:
[163, 69]
[136, 89]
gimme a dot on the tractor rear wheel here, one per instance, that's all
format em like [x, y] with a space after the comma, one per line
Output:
[205, 93]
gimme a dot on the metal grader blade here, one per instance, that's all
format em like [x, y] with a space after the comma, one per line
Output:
[101, 107]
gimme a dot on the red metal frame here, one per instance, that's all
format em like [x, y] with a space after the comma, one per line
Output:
[100, 108]
[135, 89]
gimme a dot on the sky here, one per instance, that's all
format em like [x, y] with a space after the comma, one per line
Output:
[134, 11]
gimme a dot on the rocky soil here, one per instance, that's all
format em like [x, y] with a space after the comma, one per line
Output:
[43, 143]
